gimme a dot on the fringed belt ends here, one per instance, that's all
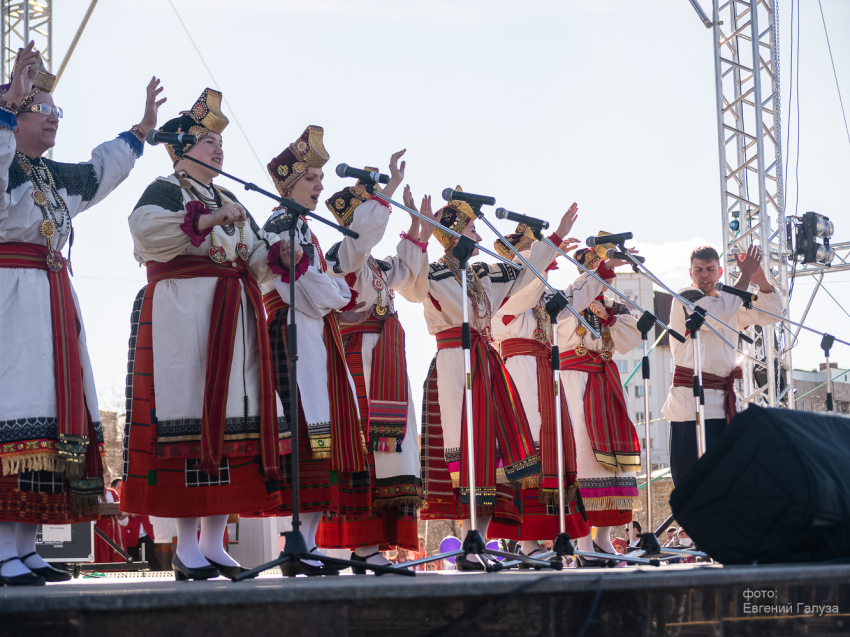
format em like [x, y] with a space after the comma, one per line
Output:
[387, 406]
[546, 406]
[612, 434]
[498, 415]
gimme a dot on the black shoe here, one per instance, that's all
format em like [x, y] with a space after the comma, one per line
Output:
[230, 572]
[463, 563]
[183, 572]
[299, 567]
[361, 570]
[49, 573]
[24, 579]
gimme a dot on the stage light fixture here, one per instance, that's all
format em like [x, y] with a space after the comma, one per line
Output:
[815, 226]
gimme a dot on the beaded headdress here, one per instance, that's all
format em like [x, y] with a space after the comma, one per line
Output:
[43, 83]
[204, 117]
[308, 151]
[455, 217]
[343, 204]
[521, 240]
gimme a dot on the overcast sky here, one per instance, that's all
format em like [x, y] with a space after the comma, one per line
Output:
[610, 104]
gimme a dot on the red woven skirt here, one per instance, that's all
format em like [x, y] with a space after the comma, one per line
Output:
[177, 488]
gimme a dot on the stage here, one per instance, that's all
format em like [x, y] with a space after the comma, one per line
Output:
[667, 600]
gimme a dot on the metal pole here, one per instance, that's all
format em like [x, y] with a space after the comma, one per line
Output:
[559, 428]
[467, 369]
[764, 216]
[646, 419]
[699, 395]
[75, 40]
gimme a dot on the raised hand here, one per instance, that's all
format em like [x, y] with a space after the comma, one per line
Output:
[749, 264]
[407, 197]
[152, 105]
[396, 173]
[24, 77]
[569, 244]
[567, 221]
[428, 227]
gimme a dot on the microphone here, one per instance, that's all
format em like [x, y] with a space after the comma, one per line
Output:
[616, 239]
[741, 294]
[155, 137]
[344, 170]
[531, 222]
[616, 254]
[450, 194]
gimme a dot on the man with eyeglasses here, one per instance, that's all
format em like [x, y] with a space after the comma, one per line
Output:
[49, 421]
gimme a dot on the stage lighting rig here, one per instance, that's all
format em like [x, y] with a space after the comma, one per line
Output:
[812, 227]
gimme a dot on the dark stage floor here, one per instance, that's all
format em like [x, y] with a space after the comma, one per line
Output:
[669, 600]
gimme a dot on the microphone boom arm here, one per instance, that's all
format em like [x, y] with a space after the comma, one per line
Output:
[281, 200]
[448, 231]
[568, 305]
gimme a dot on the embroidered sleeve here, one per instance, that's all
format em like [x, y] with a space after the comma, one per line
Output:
[194, 210]
[422, 246]
[603, 271]
[135, 143]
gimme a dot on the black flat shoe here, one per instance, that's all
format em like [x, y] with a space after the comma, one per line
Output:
[230, 572]
[183, 572]
[463, 563]
[299, 567]
[24, 579]
[49, 573]
[361, 570]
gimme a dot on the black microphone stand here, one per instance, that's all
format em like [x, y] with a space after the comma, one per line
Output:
[296, 547]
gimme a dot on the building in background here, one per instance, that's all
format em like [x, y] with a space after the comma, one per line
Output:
[810, 389]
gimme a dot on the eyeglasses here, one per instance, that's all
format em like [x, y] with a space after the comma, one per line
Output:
[46, 109]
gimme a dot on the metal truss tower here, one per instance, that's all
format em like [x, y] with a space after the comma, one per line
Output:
[746, 65]
[22, 22]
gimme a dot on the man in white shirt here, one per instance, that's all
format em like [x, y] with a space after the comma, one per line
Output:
[719, 364]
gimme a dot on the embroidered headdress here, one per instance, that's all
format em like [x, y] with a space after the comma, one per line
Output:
[43, 83]
[521, 240]
[203, 118]
[345, 202]
[308, 151]
[456, 214]
[591, 257]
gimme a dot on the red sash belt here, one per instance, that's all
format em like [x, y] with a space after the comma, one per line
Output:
[71, 418]
[346, 441]
[612, 434]
[223, 321]
[498, 414]
[684, 377]
[546, 406]
[386, 407]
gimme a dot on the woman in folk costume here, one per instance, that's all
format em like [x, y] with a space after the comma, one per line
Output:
[203, 436]
[499, 414]
[607, 446]
[375, 351]
[52, 440]
[334, 473]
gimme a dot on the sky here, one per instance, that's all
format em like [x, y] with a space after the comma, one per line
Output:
[608, 104]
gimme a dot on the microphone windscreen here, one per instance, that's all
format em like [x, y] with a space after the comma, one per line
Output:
[590, 242]
[151, 137]
[501, 213]
[611, 253]
[447, 194]
[718, 286]
[340, 170]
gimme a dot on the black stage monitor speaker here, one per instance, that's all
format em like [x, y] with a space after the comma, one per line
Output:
[775, 488]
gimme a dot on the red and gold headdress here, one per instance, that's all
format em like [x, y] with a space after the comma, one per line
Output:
[343, 204]
[308, 151]
[521, 240]
[456, 214]
[592, 257]
[44, 83]
[203, 118]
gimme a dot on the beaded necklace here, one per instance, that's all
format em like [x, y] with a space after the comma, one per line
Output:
[43, 183]
[380, 285]
[212, 200]
[603, 330]
[543, 331]
[476, 295]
